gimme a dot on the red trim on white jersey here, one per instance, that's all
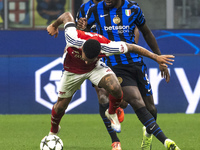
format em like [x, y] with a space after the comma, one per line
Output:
[75, 39]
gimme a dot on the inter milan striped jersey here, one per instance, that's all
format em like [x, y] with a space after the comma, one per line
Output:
[75, 39]
[117, 25]
[83, 11]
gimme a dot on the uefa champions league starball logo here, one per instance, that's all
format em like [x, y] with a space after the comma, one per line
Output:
[186, 42]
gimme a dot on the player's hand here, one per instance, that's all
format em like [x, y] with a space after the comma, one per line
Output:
[52, 30]
[165, 59]
[164, 73]
[81, 24]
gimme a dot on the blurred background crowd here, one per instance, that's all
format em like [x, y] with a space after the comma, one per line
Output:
[37, 14]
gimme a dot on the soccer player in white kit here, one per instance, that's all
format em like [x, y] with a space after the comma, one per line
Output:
[82, 61]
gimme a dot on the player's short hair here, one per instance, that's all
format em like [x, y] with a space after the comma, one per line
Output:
[91, 48]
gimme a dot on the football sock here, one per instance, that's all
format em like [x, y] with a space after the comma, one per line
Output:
[55, 120]
[114, 103]
[112, 133]
[150, 123]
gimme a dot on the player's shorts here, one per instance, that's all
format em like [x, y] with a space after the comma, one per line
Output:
[134, 75]
[71, 82]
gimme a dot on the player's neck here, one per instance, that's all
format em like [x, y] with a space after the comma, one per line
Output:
[96, 1]
[119, 4]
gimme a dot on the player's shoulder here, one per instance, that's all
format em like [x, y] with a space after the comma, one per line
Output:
[132, 3]
[96, 6]
[87, 4]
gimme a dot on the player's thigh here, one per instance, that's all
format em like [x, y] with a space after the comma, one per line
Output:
[104, 77]
[133, 97]
[100, 71]
[69, 84]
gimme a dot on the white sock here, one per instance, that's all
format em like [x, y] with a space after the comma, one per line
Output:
[165, 142]
[147, 134]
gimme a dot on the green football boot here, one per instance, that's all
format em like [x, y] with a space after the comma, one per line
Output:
[171, 145]
[146, 141]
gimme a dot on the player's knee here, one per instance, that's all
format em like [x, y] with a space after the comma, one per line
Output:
[152, 110]
[117, 92]
[61, 105]
[114, 89]
[136, 103]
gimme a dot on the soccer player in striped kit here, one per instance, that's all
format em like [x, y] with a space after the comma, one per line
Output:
[102, 94]
[116, 20]
[82, 61]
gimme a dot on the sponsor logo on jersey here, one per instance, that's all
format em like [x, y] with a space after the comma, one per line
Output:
[116, 27]
[101, 16]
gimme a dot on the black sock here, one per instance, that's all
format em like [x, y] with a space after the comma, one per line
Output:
[102, 109]
[150, 123]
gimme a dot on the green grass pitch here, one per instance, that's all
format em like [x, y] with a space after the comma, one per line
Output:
[87, 132]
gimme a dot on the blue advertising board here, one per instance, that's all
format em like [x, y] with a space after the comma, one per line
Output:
[29, 86]
[31, 67]
[176, 41]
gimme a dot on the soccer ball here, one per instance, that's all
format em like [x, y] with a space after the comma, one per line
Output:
[51, 142]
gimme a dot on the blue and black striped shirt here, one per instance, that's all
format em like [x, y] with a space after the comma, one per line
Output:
[83, 11]
[117, 25]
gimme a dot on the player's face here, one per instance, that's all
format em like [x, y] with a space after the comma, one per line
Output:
[111, 3]
[87, 60]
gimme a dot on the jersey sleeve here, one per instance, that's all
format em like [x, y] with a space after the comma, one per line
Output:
[90, 17]
[71, 36]
[140, 20]
[80, 13]
[114, 48]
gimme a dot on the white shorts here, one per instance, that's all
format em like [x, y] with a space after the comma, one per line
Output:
[71, 82]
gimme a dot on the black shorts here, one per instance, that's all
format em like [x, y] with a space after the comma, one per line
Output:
[134, 75]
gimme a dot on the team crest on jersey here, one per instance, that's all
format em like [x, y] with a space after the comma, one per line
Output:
[128, 12]
[116, 20]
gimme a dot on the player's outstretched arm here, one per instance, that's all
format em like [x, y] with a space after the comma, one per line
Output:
[52, 29]
[81, 24]
[160, 59]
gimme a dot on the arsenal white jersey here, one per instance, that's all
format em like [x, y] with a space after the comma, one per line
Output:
[75, 39]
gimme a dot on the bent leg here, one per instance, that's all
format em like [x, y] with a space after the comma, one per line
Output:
[112, 85]
[57, 113]
[103, 106]
[133, 97]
